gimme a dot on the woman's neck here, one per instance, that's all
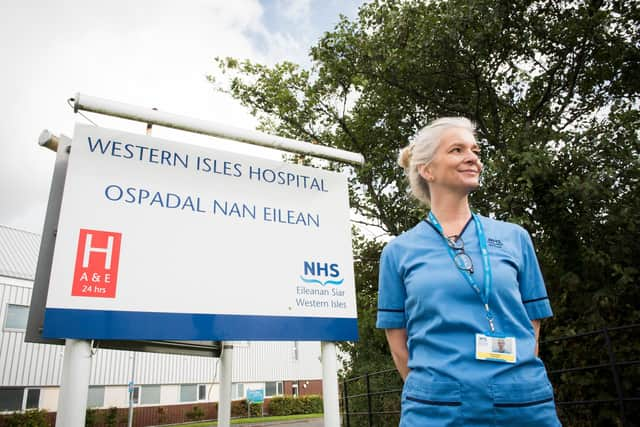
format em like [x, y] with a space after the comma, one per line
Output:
[452, 211]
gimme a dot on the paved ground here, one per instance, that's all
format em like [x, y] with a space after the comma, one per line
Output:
[311, 422]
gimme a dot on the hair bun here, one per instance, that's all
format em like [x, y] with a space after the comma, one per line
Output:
[404, 159]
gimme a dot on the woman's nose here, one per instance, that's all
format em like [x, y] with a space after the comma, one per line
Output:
[472, 157]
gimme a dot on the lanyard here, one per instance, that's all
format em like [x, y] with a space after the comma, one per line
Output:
[488, 279]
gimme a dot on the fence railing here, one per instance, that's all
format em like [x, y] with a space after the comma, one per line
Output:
[612, 364]
[373, 399]
[372, 410]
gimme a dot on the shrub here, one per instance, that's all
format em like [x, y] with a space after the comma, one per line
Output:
[111, 416]
[195, 414]
[256, 409]
[90, 417]
[239, 408]
[30, 418]
[287, 405]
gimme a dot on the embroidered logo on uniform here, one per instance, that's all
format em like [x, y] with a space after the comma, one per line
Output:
[495, 243]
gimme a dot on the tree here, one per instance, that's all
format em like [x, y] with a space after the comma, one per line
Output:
[554, 89]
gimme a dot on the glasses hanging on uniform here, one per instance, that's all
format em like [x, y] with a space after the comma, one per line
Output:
[461, 259]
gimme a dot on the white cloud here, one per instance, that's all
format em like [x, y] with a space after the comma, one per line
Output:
[295, 10]
[153, 53]
[148, 53]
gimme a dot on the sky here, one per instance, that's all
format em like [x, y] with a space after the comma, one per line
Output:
[150, 53]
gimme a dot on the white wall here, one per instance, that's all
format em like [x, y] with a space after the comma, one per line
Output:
[170, 394]
[116, 396]
[49, 398]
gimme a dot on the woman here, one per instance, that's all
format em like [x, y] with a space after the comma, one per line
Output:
[461, 297]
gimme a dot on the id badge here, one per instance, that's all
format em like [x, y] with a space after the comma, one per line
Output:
[496, 348]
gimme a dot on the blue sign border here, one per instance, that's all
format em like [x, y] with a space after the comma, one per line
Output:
[131, 325]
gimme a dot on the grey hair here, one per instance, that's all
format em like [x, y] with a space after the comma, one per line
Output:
[422, 149]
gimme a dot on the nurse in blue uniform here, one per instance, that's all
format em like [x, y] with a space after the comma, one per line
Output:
[461, 297]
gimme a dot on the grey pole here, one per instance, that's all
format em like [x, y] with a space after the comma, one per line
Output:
[131, 385]
[76, 369]
[226, 372]
[148, 115]
[330, 384]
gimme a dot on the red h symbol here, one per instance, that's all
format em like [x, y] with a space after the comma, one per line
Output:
[96, 272]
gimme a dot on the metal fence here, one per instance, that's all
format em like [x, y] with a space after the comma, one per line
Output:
[373, 399]
[611, 364]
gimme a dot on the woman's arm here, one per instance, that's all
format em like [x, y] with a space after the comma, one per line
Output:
[397, 339]
[536, 330]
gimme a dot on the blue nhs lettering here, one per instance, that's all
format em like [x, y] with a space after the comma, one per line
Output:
[321, 269]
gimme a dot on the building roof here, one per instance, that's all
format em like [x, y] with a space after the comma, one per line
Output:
[18, 253]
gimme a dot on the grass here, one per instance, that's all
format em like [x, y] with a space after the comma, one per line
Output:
[256, 420]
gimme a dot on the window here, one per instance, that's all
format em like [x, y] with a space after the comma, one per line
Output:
[16, 318]
[11, 399]
[135, 396]
[237, 391]
[19, 398]
[294, 390]
[150, 394]
[273, 388]
[188, 393]
[33, 398]
[202, 392]
[193, 392]
[95, 398]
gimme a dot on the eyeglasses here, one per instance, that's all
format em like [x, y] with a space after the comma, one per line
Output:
[461, 259]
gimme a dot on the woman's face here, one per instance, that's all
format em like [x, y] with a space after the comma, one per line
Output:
[456, 164]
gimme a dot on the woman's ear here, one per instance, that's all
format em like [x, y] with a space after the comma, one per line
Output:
[425, 172]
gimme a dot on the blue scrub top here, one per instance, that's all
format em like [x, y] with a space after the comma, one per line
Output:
[422, 290]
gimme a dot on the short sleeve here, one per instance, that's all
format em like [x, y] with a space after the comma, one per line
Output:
[391, 293]
[532, 288]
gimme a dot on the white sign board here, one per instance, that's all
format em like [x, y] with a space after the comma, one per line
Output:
[159, 240]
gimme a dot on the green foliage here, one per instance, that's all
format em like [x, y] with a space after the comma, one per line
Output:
[195, 414]
[111, 416]
[554, 89]
[371, 351]
[384, 388]
[239, 408]
[256, 409]
[30, 418]
[90, 417]
[288, 405]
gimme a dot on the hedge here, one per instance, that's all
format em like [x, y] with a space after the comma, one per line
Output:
[287, 405]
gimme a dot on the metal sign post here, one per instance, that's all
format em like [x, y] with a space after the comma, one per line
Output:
[226, 372]
[330, 394]
[76, 370]
[148, 115]
[131, 389]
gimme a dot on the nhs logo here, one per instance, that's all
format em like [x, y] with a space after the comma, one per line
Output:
[321, 273]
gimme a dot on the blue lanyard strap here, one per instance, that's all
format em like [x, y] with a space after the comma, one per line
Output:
[484, 251]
